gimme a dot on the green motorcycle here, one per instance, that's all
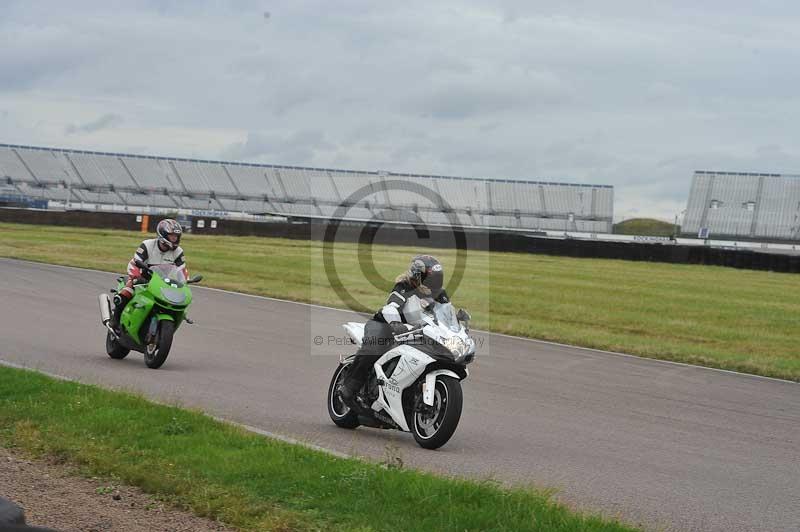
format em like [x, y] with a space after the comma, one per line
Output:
[150, 319]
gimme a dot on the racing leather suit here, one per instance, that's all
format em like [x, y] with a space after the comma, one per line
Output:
[151, 254]
[378, 334]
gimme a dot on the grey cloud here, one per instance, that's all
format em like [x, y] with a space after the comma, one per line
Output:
[493, 94]
[33, 55]
[293, 149]
[637, 95]
[104, 122]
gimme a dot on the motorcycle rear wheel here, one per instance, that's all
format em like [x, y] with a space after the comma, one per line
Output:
[339, 412]
[114, 349]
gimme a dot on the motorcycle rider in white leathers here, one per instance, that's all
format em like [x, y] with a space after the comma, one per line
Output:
[164, 249]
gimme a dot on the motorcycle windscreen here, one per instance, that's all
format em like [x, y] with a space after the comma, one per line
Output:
[446, 316]
[412, 311]
[170, 273]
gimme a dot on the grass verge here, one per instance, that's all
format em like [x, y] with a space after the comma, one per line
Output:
[714, 316]
[645, 226]
[220, 471]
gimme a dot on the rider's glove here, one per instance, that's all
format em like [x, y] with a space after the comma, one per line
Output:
[398, 328]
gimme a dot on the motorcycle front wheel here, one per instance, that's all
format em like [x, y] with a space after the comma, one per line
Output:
[156, 354]
[433, 426]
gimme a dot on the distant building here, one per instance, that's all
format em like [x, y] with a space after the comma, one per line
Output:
[86, 178]
[731, 205]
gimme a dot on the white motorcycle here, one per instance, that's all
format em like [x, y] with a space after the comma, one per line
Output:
[415, 386]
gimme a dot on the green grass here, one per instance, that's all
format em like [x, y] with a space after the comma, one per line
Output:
[720, 317]
[221, 471]
[645, 226]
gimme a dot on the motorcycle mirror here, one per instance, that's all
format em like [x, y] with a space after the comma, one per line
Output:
[141, 265]
[463, 315]
[195, 279]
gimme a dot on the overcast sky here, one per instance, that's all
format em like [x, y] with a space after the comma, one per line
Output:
[634, 94]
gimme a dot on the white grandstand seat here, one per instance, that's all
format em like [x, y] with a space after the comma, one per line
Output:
[604, 202]
[367, 186]
[696, 204]
[76, 195]
[232, 205]
[102, 197]
[148, 200]
[253, 181]
[527, 197]
[48, 166]
[556, 199]
[320, 185]
[328, 210]
[380, 194]
[502, 194]
[216, 177]
[296, 209]
[581, 198]
[492, 220]
[274, 182]
[423, 191]
[452, 218]
[11, 166]
[252, 207]
[249, 180]
[89, 172]
[459, 193]
[116, 172]
[348, 183]
[479, 219]
[191, 176]
[569, 201]
[54, 193]
[396, 215]
[255, 207]
[730, 192]
[555, 224]
[530, 222]
[310, 192]
[200, 204]
[295, 183]
[359, 213]
[148, 173]
[779, 214]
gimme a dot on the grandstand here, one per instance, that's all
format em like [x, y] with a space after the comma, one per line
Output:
[88, 179]
[744, 206]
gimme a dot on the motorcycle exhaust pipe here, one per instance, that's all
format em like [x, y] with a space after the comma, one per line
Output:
[105, 308]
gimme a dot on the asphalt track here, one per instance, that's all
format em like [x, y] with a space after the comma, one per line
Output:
[669, 446]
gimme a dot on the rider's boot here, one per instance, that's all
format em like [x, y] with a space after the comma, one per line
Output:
[119, 306]
[348, 391]
[348, 395]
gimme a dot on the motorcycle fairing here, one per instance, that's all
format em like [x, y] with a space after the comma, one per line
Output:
[411, 365]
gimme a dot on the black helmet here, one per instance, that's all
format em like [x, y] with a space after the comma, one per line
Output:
[427, 270]
[169, 233]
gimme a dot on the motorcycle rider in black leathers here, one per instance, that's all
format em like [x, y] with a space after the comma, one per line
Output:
[425, 279]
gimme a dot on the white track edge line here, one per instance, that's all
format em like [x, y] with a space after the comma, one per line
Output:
[248, 428]
[490, 333]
